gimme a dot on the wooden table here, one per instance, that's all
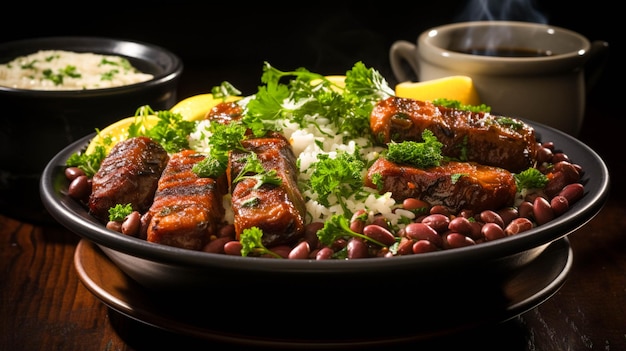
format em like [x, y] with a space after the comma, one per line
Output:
[45, 306]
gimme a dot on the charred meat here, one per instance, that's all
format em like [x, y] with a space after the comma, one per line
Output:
[128, 175]
[187, 209]
[277, 209]
[455, 185]
[467, 136]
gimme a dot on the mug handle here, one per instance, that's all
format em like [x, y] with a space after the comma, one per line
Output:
[598, 57]
[402, 51]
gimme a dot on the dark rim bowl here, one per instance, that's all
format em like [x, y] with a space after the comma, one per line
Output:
[148, 58]
[74, 216]
[441, 292]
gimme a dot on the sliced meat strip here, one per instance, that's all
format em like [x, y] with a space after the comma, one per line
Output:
[455, 185]
[187, 209]
[128, 175]
[278, 210]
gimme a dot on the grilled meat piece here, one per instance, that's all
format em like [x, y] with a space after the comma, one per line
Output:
[278, 210]
[128, 175]
[477, 188]
[187, 209]
[225, 112]
[468, 136]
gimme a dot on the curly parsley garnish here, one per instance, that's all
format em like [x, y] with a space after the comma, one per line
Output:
[251, 243]
[530, 178]
[417, 154]
[456, 104]
[341, 176]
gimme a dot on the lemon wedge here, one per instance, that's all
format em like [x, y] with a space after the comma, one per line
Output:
[195, 107]
[118, 131]
[459, 88]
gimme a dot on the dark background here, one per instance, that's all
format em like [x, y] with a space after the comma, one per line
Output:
[230, 40]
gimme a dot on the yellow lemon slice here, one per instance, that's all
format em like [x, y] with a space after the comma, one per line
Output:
[459, 88]
[195, 107]
[118, 131]
[339, 81]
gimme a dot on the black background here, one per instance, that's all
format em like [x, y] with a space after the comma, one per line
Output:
[231, 40]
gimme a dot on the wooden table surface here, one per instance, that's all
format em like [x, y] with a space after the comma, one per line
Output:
[45, 306]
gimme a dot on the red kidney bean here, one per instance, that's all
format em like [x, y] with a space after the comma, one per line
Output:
[280, 250]
[508, 214]
[542, 211]
[439, 209]
[80, 188]
[357, 249]
[476, 230]
[548, 145]
[556, 183]
[461, 225]
[489, 216]
[570, 172]
[419, 231]
[544, 155]
[559, 205]
[381, 221]
[466, 213]
[437, 221]
[379, 234]
[233, 247]
[525, 209]
[300, 251]
[405, 246]
[325, 253]
[492, 231]
[423, 246]
[131, 224]
[72, 172]
[415, 205]
[455, 240]
[572, 192]
[339, 244]
[518, 225]
[559, 156]
[358, 221]
[114, 226]
[216, 245]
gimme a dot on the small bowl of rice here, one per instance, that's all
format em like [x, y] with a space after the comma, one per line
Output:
[55, 90]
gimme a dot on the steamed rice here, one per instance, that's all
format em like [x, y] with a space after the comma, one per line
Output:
[67, 70]
[308, 143]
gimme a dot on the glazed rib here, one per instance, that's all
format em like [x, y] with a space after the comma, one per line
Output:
[477, 188]
[468, 136]
[187, 209]
[278, 210]
[128, 175]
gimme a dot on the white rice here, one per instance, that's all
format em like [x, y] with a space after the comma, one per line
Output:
[67, 70]
[306, 146]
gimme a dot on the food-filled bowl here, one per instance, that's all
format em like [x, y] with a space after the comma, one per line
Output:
[358, 299]
[39, 121]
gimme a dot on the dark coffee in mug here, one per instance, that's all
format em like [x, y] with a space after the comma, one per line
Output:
[506, 52]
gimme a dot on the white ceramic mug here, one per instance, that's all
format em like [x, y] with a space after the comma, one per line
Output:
[521, 69]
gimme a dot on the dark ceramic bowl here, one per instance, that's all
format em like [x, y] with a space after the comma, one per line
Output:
[375, 298]
[37, 124]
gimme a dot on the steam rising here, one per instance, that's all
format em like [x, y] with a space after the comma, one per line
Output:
[501, 10]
